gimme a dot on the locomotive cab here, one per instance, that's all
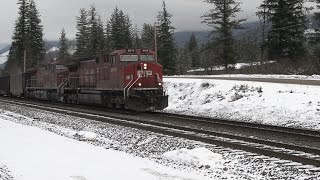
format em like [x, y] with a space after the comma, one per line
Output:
[142, 79]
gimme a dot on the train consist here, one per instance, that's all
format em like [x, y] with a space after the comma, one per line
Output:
[127, 78]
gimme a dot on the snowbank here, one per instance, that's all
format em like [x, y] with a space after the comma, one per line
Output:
[271, 76]
[236, 66]
[200, 157]
[267, 103]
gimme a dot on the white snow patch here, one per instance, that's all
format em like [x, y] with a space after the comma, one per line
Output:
[4, 57]
[236, 66]
[86, 135]
[267, 103]
[200, 157]
[53, 49]
[31, 153]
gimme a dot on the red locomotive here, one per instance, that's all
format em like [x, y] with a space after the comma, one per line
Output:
[128, 78]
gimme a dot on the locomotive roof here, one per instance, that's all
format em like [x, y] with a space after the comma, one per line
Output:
[133, 51]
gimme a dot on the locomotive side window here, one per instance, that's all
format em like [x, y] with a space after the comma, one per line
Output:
[129, 58]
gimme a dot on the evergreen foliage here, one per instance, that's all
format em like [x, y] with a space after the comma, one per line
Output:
[101, 38]
[93, 40]
[120, 30]
[147, 36]
[82, 35]
[35, 42]
[222, 19]
[193, 49]
[63, 46]
[288, 23]
[108, 41]
[136, 38]
[184, 61]
[28, 36]
[166, 46]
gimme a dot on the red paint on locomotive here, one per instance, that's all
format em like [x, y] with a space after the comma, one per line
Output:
[127, 78]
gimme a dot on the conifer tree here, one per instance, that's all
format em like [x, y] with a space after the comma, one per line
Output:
[147, 36]
[222, 19]
[136, 38]
[101, 38]
[286, 37]
[82, 35]
[93, 41]
[120, 30]
[35, 42]
[193, 49]
[184, 61]
[108, 40]
[28, 36]
[167, 53]
[63, 46]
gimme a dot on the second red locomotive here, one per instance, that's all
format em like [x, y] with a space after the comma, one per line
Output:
[128, 78]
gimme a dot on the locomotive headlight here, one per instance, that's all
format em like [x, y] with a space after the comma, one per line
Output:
[140, 84]
[160, 84]
[145, 66]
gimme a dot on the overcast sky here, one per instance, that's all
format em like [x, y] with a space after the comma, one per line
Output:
[58, 14]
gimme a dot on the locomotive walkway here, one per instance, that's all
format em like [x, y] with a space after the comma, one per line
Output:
[268, 80]
[298, 145]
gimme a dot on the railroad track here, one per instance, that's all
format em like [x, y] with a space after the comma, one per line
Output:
[301, 154]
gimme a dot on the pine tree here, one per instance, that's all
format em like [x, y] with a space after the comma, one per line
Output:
[28, 36]
[82, 35]
[193, 49]
[35, 42]
[101, 38]
[286, 37]
[63, 46]
[120, 30]
[184, 61]
[147, 36]
[127, 29]
[108, 40]
[136, 38]
[93, 41]
[166, 48]
[222, 19]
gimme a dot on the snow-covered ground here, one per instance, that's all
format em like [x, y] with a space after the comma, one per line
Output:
[270, 76]
[34, 154]
[236, 66]
[53, 49]
[41, 145]
[3, 57]
[267, 103]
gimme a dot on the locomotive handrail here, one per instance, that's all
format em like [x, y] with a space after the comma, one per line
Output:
[132, 85]
[163, 86]
[124, 92]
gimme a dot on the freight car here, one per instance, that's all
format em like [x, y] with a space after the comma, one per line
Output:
[127, 78]
[18, 84]
[5, 85]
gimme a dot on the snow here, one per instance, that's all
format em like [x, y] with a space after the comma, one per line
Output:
[269, 76]
[200, 157]
[267, 103]
[53, 49]
[32, 153]
[55, 147]
[236, 66]
[4, 57]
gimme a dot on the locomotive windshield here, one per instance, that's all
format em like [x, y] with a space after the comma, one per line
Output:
[129, 58]
[147, 57]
